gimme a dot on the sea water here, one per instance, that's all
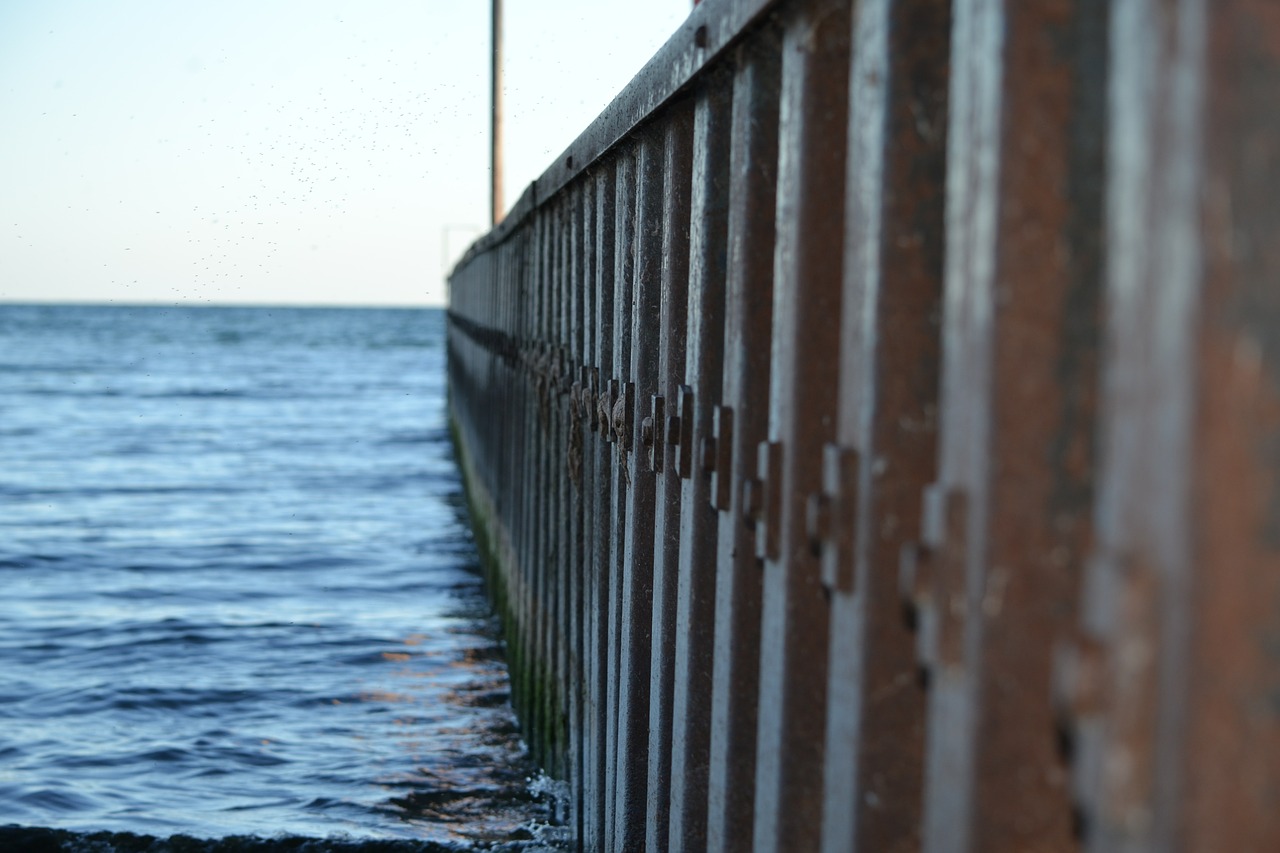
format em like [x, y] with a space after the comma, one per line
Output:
[238, 595]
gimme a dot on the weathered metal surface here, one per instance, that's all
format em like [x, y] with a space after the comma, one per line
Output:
[598, 481]
[739, 423]
[1007, 520]
[1232, 798]
[699, 521]
[887, 423]
[615, 424]
[870, 425]
[804, 370]
[636, 572]
[677, 168]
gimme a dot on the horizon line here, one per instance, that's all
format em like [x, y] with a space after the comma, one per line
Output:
[124, 303]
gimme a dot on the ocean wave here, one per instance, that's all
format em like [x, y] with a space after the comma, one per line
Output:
[40, 840]
[240, 593]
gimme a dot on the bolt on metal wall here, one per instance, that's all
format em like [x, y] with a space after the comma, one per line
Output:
[870, 426]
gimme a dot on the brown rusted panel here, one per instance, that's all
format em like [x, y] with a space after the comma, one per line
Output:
[1233, 745]
[1128, 757]
[1043, 412]
[1015, 487]
[954, 509]
[740, 425]
[695, 597]
[804, 369]
[887, 420]
[677, 141]
[1179, 744]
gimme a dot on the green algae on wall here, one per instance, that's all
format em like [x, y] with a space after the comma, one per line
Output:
[534, 692]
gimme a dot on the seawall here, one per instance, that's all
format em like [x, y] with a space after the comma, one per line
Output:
[870, 427]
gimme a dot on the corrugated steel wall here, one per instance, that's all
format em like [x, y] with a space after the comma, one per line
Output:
[873, 425]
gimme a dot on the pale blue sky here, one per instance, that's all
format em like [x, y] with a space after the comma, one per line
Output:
[249, 151]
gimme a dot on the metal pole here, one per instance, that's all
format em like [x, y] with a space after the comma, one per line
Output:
[495, 158]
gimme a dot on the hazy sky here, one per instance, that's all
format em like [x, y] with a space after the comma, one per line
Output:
[249, 151]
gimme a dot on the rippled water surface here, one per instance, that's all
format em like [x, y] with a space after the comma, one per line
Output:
[239, 595]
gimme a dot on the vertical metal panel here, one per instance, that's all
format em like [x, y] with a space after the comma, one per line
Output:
[498, 586]
[553, 554]
[588, 777]
[545, 565]
[533, 501]
[1039, 471]
[677, 140]
[887, 420]
[695, 596]
[562, 555]
[573, 471]
[996, 586]
[738, 425]
[527, 561]
[623, 287]
[522, 589]
[559, 559]
[954, 522]
[636, 572]
[601, 485]
[549, 563]
[1137, 607]
[1232, 799]
[538, 580]
[807, 284]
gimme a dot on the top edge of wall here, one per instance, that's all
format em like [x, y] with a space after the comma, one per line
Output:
[711, 28]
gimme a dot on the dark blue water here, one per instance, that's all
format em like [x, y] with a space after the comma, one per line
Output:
[237, 591]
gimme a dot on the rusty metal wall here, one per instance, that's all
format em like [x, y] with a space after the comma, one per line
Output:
[871, 425]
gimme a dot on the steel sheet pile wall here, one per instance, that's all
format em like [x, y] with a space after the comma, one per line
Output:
[873, 424]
